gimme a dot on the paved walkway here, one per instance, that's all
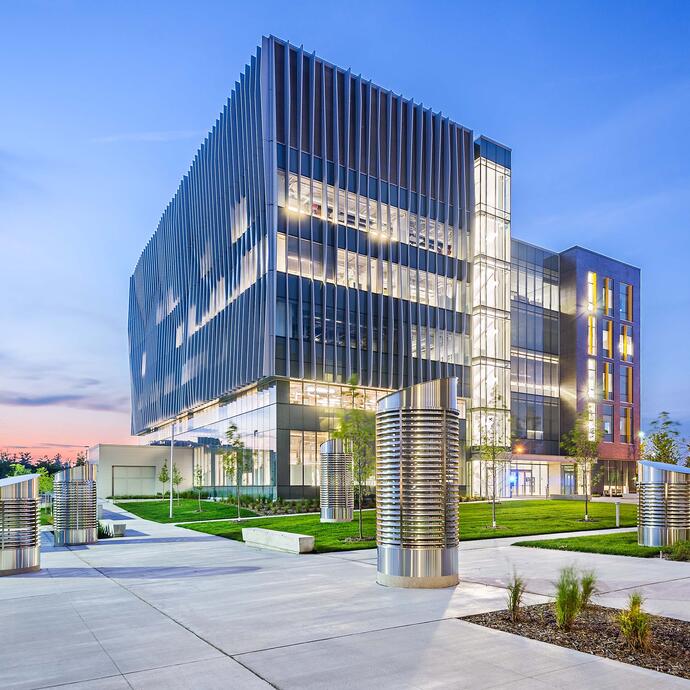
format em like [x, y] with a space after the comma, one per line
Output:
[166, 607]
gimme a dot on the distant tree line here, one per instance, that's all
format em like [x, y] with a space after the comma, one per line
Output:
[15, 464]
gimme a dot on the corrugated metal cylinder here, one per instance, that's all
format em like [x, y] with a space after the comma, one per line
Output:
[663, 515]
[337, 500]
[20, 543]
[417, 473]
[75, 513]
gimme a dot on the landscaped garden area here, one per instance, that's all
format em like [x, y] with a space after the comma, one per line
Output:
[630, 635]
[183, 509]
[616, 544]
[515, 518]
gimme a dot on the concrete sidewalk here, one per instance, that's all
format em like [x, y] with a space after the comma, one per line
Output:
[167, 607]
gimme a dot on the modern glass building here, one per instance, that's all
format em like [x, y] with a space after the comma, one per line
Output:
[329, 228]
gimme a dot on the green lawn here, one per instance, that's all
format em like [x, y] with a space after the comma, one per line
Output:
[515, 518]
[46, 517]
[184, 509]
[618, 544]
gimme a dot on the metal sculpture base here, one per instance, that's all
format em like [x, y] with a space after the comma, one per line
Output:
[336, 515]
[661, 536]
[20, 571]
[417, 568]
[75, 537]
[17, 561]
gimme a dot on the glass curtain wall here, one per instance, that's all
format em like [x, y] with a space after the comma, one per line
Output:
[490, 248]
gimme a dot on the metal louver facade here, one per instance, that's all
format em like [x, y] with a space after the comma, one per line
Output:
[417, 471]
[20, 541]
[321, 232]
[200, 297]
[75, 509]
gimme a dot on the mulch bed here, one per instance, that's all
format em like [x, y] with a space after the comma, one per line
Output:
[596, 632]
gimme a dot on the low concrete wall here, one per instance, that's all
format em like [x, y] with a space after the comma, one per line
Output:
[277, 541]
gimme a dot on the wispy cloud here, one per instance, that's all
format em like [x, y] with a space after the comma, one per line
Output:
[85, 402]
[170, 135]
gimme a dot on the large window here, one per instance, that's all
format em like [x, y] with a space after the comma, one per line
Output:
[607, 338]
[591, 335]
[626, 387]
[607, 296]
[626, 425]
[625, 301]
[591, 379]
[626, 343]
[534, 372]
[591, 291]
[304, 457]
[607, 423]
[607, 381]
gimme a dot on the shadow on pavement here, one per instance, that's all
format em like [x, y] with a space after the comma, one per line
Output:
[144, 572]
[124, 541]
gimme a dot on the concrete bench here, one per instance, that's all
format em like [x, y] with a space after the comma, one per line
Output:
[119, 529]
[277, 541]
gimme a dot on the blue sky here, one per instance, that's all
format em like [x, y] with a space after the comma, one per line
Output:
[104, 105]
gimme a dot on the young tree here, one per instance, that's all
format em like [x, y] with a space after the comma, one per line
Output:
[18, 469]
[494, 448]
[176, 480]
[234, 460]
[663, 444]
[163, 476]
[357, 429]
[581, 444]
[198, 482]
[45, 481]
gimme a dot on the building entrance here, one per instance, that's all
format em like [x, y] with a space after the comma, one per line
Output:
[522, 483]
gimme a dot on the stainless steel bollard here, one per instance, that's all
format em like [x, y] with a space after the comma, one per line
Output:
[417, 473]
[75, 512]
[663, 515]
[20, 542]
[618, 513]
[337, 501]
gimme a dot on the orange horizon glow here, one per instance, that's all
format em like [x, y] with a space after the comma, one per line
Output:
[49, 430]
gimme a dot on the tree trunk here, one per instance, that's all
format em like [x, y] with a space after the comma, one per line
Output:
[359, 498]
[493, 499]
[237, 491]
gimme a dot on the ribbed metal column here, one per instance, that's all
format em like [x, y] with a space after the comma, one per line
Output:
[75, 513]
[417, 472]
[20, 544]
[337, 500]
[663, 515]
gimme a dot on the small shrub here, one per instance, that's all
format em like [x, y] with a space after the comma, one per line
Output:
[516, 591]
[680, 551]
[105, 531]
[568, 600]
[635, 624]
[588, 588]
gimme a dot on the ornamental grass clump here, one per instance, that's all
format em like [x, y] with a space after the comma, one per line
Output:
[588, 588]
[516, 591]
[635, 624]
[568, 601]
[680, 551]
